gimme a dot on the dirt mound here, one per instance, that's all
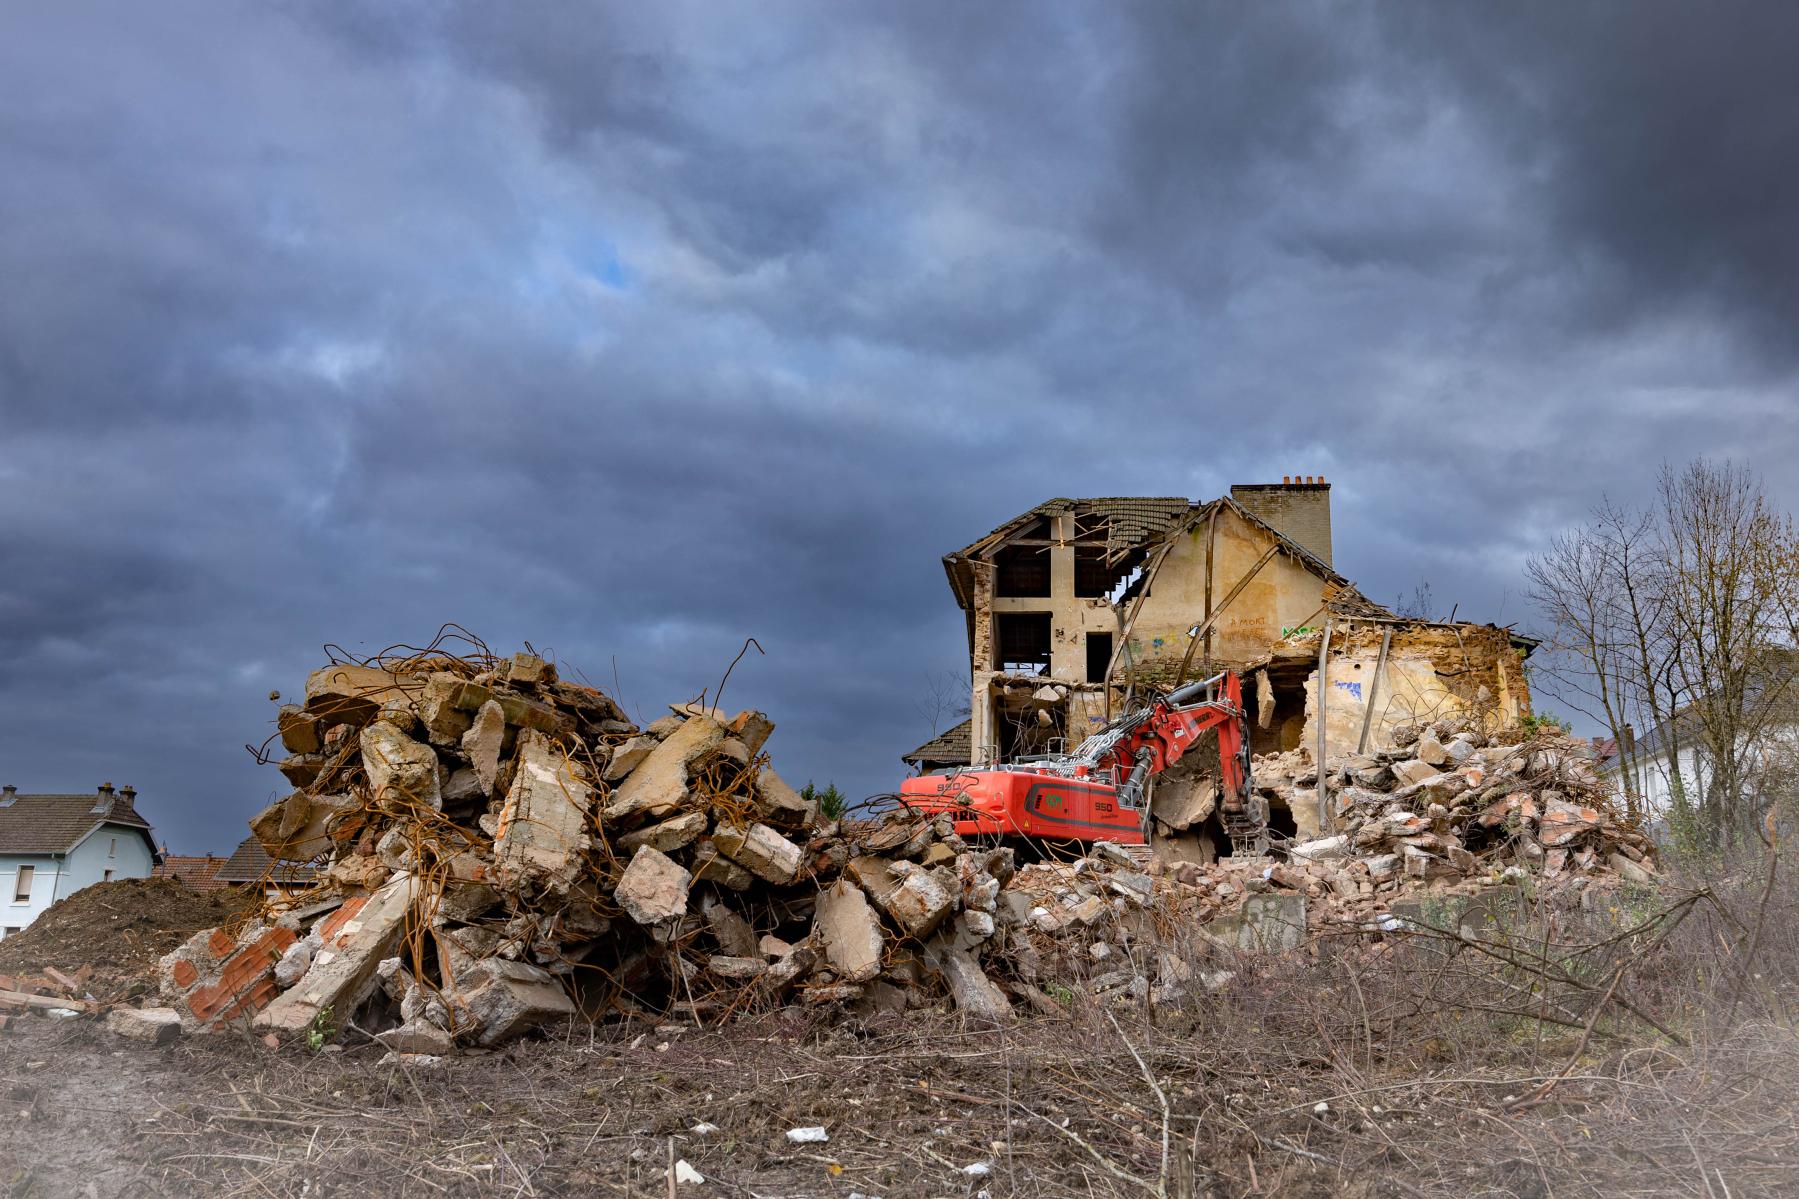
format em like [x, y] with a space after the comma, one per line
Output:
[120, 929]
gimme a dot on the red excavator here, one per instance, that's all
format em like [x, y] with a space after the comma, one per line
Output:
[1101, 791]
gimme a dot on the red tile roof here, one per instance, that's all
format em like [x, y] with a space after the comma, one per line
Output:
[193, 872]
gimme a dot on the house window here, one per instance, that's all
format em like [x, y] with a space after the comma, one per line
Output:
[1022, 571]
[1099, 656]
[112, 847]
[1024, 639]
[12, 929]
[106, 877]
[21, 891]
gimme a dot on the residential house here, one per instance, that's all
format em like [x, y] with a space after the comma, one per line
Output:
[1076, 606]
[53, 845]
[196, 872]
[250, 865]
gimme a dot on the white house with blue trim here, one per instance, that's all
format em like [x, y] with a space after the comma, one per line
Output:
[54, 845]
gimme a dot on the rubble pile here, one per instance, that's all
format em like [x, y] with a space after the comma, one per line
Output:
[1442, 802]
[499, 848]
[496, 848]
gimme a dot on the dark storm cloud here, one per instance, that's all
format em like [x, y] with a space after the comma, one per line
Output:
[637, 330]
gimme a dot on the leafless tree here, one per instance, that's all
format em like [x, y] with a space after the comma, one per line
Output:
[945, 698]
[1680, 620]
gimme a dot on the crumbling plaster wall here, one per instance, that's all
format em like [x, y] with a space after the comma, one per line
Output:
[1431, 673]
[1283, 594]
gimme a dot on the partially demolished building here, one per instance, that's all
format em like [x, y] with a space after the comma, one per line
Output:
[1077, 605]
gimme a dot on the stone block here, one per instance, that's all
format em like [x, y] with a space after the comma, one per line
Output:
[399, 768]
[752, 728]
[542, 835]
[760, 850]
[850, 932]
[150, 1025]
[653, 888]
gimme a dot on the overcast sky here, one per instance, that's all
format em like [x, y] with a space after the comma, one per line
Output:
[634, 330]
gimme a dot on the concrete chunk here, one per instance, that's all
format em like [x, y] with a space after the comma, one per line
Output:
[710, 866]
[666, 835]
[780, 804]
[350, 694]
[300, 731]
[653, 888]
[850, 932]
[481, 744]
[973, 992]
[444, 722]
[658, 787]
[399, 767]
[150, 1025]
[417, 1036]
[732, 932]
[915, 900]
[506, 999]
[629, 756]
[352, 942]
[543, 827]
[294, 829]
[760, 850]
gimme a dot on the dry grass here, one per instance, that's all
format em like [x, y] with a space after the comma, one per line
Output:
[1646, 1050]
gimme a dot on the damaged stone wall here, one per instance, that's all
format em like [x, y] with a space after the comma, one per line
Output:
[1433, 672]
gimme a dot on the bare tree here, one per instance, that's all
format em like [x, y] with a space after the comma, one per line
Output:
[1680, 620]
[946, 697]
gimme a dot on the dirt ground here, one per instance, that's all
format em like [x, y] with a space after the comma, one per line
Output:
[118, 930]
[1045, 1107]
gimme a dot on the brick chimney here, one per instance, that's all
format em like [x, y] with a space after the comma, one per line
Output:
[1299, 507]
[103, 802]
[8, 794]
[128, 793]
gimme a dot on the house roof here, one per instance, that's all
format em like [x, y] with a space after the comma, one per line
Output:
[250, 863]
[954, 746]
[1139, 522]
[195, 872]
[55, 824]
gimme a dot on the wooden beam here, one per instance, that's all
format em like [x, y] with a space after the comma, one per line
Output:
[1324, 650]
[22, 999]
[1380, 666]
[1205, 630]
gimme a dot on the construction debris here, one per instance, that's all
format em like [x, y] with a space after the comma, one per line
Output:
[502, 850]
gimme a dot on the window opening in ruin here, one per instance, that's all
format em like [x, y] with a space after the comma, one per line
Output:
[1128, 579]
[1030, 729]
[1099, 656]
[1022, 572]
[1024, 639]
